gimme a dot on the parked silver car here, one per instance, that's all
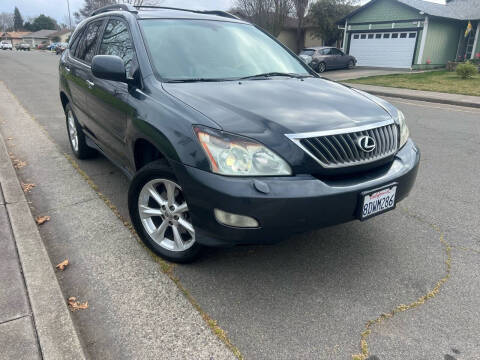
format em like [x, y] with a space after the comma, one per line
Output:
[326, 58]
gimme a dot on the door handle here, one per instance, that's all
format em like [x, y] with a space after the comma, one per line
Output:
[90, 84]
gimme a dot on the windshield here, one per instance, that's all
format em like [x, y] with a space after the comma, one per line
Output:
[201, 49]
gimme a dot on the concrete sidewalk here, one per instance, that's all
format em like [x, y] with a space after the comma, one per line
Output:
[430, 96]
[34, 320]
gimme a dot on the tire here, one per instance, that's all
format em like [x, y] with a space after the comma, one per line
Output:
[351, 64]
[321, 67]
[76, 136]
[167, 228]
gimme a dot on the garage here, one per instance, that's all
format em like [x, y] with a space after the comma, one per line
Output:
[384, 49]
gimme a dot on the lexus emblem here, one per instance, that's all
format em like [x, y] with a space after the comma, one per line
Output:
[366, 143]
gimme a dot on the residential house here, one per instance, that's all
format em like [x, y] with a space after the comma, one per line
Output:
[413, 34]
[60, 36]
[15, 37]
[39, 37]
[288, 35]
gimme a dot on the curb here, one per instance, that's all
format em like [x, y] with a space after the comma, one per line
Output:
[56, 333]
[382, 91]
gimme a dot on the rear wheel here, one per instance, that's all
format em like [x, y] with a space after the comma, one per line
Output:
[159, 212]
[76, 136]
[322, 67]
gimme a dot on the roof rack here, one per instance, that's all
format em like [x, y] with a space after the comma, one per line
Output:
[125, 7]
[207, 12]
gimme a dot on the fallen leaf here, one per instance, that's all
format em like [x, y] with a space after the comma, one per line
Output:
[9, 138]
[42, 219]
[74, 305]
[18, 164]
[62, 265]
[27, 187]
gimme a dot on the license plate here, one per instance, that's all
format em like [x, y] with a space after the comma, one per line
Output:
[377, 201]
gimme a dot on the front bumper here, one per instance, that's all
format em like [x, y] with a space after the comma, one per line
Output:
[293, 204]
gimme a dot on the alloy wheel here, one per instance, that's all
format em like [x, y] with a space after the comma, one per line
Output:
[72, 131]
[163, 212]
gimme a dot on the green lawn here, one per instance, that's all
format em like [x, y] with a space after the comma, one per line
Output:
[441, 81]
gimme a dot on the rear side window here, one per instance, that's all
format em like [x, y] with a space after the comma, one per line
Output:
[86, 47]
[117, 41]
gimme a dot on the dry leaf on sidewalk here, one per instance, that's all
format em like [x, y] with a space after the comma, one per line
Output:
[18, 164]
[62, 265]
[9, 138]
[73, 304]
[42, 219]
[27, 187]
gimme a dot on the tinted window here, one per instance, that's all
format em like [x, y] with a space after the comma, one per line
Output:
[73, 45]
[117, 41]
[394, 36]
[335, 52]
[363, 36]
[356, 36]
[378, 36]
[412, 35]
[86, 47]
[370, 36]
[386, 36]
[403, 35]
[201, 49]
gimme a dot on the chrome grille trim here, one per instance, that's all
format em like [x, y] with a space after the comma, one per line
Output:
[338, 148]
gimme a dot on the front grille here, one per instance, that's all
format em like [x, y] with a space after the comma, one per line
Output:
[341, 149]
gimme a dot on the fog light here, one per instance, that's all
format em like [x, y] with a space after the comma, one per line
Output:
[235, 219]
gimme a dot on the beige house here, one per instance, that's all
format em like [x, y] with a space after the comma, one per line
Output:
[15, 37]
[39, 37]
[63, 35]
[288, 36]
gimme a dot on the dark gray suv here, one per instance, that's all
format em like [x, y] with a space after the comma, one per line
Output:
[227, 136]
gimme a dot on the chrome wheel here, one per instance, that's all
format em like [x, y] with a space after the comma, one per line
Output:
[72, 131]
[163, 212]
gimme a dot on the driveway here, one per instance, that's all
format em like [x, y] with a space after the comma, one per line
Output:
[358, 72]
[311, 296]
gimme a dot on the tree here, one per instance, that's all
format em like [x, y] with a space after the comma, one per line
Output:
[17, 20]
[300, 7]
[91, 5]
[6, 21]
[43, 22]
[270, 15]
[325, 14]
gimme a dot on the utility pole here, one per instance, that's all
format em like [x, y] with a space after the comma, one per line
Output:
[69, 16]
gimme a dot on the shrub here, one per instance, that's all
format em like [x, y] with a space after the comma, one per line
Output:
[466, 70]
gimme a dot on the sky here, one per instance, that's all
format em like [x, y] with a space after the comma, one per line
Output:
[58, 8]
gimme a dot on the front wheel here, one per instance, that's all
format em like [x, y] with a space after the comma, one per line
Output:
[351, 64]
[160, 214]
[322, 67]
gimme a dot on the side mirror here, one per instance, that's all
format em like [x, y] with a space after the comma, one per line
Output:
[109, 67]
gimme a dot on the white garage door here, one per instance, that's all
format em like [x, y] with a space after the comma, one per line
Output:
[390, 49]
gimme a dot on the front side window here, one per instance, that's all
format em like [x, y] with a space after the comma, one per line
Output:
[200, 49]
[117, 41]
[86, 47]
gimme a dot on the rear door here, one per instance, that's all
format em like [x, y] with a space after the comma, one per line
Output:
[109, 100]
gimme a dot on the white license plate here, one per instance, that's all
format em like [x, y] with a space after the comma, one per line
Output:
[378, 201]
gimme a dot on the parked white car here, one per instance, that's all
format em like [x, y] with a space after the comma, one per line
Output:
[6, 45]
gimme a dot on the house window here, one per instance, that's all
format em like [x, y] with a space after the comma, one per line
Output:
[403, 35]
[370, 36]
[378, 36]
[394, 36]
[386, 36]
[412, 35]
[363, 36]
[356, 36]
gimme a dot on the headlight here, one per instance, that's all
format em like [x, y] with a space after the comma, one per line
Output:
[236, 156]
[404, 133]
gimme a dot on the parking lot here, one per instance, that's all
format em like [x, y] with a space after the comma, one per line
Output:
[310, 297]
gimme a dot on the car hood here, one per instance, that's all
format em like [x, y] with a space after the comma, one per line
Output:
[281, 105]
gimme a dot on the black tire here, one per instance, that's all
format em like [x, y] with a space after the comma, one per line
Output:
[81, 150]
[351, 64]
[321, 67]
[157, 171]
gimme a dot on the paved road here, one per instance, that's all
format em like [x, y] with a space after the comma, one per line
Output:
[310, 296]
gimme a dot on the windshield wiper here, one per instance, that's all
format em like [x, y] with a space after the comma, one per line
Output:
[196, 80]
[270, 74]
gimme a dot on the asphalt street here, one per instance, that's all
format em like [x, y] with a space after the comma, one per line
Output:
[310, 297]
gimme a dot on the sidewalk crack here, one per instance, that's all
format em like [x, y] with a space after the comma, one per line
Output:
[15, 318]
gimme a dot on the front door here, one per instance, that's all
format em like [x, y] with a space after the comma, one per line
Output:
[108, 100]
